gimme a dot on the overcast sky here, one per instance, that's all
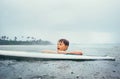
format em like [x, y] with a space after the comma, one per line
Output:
[80, 21]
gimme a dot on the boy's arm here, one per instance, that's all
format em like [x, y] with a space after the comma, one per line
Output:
[63, 52]
[76, 52]
[48, 51]
[72, 52]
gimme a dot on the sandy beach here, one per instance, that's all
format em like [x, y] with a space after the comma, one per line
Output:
[63, 69]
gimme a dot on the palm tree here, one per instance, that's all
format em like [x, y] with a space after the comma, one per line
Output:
[15, 38]
[28, 38]
[7, 38]
[3, 37]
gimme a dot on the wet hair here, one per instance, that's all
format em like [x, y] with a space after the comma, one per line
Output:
[66, 42]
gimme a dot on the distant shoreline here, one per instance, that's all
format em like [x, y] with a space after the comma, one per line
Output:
[32, 42]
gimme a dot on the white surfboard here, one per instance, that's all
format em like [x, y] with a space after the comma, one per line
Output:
[52, 56]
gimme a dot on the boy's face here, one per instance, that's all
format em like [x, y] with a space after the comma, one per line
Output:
[61, 46]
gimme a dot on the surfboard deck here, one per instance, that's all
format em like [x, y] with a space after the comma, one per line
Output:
[52, 56]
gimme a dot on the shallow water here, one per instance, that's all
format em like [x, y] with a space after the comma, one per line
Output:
[62, 69]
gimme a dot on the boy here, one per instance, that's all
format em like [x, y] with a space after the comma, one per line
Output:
[62, 46]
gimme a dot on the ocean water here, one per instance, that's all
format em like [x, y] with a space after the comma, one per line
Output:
[63, 69]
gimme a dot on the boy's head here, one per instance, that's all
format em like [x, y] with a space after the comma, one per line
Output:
[62, 45]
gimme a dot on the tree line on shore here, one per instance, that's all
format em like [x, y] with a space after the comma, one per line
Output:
[5, 40]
